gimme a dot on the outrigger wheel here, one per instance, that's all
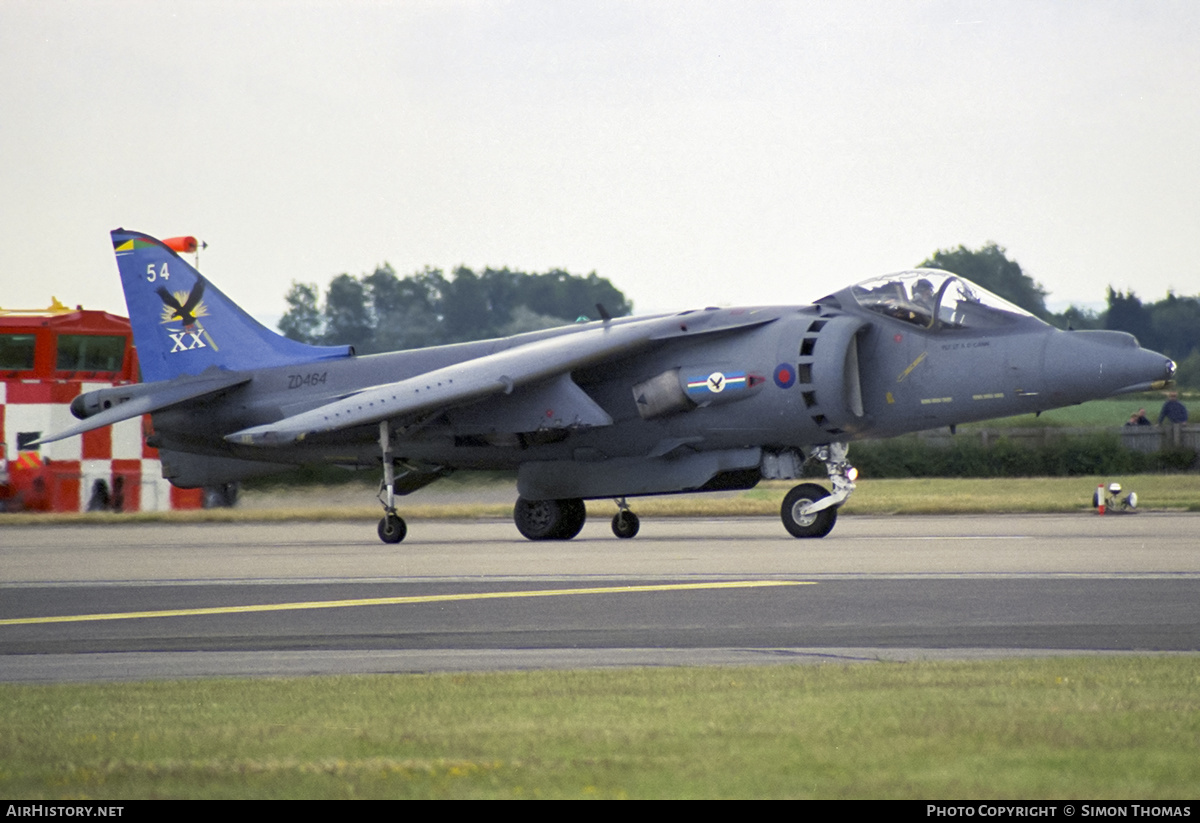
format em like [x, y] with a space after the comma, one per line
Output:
[392, 528]
[625, 524]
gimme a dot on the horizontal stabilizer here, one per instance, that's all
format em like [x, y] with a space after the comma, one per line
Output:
[144, 398]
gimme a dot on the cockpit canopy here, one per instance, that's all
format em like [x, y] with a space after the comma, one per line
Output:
[934, 299]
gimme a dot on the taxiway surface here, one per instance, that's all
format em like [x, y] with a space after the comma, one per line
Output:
[172, 600]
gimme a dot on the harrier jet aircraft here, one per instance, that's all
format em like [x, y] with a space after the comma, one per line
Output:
[613, 408]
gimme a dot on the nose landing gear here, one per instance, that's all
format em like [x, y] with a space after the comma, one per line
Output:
[798, 517]
[810, 510]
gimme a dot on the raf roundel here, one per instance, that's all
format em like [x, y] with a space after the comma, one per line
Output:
[785, 376]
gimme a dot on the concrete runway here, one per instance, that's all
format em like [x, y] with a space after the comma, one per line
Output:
[168, 600]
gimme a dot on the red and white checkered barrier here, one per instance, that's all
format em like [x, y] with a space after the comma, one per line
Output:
[61, 476]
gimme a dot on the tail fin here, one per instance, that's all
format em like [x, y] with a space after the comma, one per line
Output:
[182, 324]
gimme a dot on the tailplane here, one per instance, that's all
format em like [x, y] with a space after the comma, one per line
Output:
[182, 324]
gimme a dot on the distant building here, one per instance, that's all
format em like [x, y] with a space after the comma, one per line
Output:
[48, 358]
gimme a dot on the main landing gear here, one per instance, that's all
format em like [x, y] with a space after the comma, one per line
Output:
[808, 510]
[549, 519]
[563, 519]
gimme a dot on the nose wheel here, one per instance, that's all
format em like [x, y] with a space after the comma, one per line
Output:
[797, 518]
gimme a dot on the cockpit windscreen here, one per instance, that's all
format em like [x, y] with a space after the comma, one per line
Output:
[935, 299]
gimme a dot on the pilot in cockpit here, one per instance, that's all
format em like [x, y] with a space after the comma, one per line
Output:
[923, 296]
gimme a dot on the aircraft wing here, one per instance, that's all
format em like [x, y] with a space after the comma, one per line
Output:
[494, 374]
[142, 398]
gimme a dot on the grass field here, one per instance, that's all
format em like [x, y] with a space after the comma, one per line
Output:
[1079, 727]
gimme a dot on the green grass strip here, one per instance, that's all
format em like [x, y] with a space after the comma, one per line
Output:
[1077, 727]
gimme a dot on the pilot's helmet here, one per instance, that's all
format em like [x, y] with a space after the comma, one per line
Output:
[923, 288]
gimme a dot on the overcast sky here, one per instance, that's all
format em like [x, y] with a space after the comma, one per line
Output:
[695, 153]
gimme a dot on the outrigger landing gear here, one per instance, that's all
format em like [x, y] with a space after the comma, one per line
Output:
[392, 527]
[625, 523]
[810, 510]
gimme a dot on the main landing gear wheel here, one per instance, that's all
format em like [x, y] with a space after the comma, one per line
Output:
[392, 528]
[817, 524]
[625, 524]
[549, 519]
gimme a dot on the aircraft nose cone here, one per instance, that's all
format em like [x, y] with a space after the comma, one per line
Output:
[1090, 364]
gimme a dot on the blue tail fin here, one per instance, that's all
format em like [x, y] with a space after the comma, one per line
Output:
[182, 324]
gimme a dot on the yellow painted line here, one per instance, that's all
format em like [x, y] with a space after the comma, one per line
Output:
[911, 366]
[398, 601]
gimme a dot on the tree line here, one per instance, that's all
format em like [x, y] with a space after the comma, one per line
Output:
[383, 312]
[380, 311]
